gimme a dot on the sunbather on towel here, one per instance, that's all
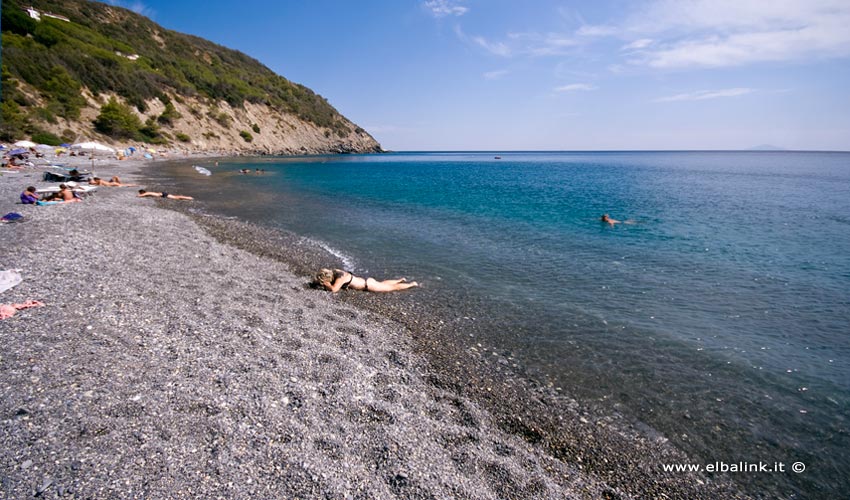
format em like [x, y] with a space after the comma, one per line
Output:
[65, 195]
[154, 194]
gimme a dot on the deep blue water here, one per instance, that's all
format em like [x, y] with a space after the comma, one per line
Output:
[720, 316]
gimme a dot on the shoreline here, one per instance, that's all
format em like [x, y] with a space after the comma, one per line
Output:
[422, 414]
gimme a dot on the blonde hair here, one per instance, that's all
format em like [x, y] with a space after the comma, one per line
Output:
[325, 274]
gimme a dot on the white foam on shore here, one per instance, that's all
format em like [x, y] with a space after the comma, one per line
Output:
[348, 261]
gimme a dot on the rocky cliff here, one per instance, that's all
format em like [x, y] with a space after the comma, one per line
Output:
[66, 62]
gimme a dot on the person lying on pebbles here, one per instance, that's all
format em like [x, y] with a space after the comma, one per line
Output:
[154, 194]
[65, 195]
[337, 279]
[113, 182]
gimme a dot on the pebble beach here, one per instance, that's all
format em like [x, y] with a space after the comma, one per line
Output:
[185, 356]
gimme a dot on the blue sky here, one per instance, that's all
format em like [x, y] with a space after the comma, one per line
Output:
[554, 75]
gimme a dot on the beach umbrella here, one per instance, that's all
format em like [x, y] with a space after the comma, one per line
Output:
[132, 149]
[64, 145]
[25, 144]
[19, 151]
[43, 146]
[92, 146]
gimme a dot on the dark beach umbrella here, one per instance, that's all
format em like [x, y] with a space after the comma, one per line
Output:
[18, 151]
[64, 145]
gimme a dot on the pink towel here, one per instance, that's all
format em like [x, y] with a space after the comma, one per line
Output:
[9, 310]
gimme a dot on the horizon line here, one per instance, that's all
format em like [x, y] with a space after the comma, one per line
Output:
[506, 151]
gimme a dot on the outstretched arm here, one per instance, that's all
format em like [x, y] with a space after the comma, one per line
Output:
[335, 286]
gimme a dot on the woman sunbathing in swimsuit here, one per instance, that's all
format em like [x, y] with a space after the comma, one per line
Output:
[154, 194]
[337, 279]
[114, 181]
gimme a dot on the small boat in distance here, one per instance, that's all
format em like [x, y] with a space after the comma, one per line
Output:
[497, 157]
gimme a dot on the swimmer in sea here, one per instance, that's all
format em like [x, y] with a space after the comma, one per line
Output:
[609, 220]
[605, 218]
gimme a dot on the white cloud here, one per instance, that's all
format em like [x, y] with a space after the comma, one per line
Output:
[495, 75]
[706, 94]
[638, 44]
[721, 33]
[573, 87]
[598, 30]
[443, 8]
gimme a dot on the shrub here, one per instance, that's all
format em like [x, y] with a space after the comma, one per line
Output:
[12, 121]
[117, 120]
[246, 135]
[46, 138]
[180, 136]
[222, 118]
[16, 21]
[44, 114]
[255, 128]
[152, 133]
[169, 115]
[64, 95]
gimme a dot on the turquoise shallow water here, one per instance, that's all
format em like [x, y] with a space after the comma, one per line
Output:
[720, 316]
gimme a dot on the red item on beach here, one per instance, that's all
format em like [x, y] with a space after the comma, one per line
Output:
[9, 310]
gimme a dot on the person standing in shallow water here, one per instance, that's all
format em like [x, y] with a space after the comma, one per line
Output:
[337, 279]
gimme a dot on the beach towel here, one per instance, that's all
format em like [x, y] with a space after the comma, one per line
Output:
[12, 217]
[9, 278]
[9, 310]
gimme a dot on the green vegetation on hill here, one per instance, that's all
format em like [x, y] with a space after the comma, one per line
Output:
[59, 58]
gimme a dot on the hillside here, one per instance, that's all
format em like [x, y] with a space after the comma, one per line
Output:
[88, 70]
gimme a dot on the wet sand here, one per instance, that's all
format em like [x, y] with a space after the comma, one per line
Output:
[185, 356]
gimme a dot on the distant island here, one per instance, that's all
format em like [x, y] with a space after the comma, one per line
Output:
[76, 70]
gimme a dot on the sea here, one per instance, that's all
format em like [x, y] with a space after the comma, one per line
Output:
[716, 314]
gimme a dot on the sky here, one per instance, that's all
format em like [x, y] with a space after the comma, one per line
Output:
[501, 75]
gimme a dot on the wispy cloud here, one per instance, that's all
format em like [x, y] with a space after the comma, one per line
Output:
[706, 94]
[497, 48]
[524, 44]
[598, 30]
[574, 87]
[495, 75]
[722, 33]
[641, 43]
[443, 8]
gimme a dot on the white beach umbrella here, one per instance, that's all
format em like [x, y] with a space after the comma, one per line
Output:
[25, 144]
[92, 146]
